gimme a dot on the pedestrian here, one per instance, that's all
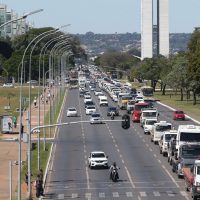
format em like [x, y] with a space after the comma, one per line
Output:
[15, 122]
[9, 125]
[26, 179]
[47, 100]
[38, 186]
[41, 181]
[35, 102]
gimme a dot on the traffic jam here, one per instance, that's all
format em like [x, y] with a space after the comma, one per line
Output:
[180, 146]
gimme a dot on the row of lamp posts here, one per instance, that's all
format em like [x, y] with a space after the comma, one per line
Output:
[57, 52]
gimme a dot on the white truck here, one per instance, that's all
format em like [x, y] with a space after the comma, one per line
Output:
[158, 129]
[164, 141]
[148, 113]
[187, 133]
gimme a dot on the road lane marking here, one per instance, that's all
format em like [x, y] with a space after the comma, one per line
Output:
[74, 195]
[115, 194]
[129, 177]
[129, 194]
[156, 194]
[172, 178]
[61, 196]
[143, 194]
[101, 195]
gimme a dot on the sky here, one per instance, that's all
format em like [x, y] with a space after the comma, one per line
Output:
[103, 16]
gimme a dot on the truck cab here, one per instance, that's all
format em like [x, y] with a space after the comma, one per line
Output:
[146, 113]
[158, 129]
[185, 157]
[164, 141]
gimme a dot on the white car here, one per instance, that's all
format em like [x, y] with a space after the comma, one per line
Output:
[8, 85]
[100, 95]
[87, 98]
[148, 124]
[97, 92]
[97, 159]
[96, 119]
[89, 110]
[139, 99]
[103, 102]
[72, 112]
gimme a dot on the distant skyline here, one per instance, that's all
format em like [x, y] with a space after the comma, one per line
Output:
[104, 16]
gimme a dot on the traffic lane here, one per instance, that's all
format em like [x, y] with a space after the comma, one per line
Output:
[167, 115]
[68, 163]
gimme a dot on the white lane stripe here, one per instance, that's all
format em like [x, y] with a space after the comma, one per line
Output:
[74, 195]
[156, 194]
[61, 196]
[129, 177]
[129, 194]
[115, 194]
[101, 195]
[143, 194]
[174, 181]
[170, 193]
[88, 195]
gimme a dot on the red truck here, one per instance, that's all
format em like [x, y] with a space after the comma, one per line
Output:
[192, 179]
[136, 112]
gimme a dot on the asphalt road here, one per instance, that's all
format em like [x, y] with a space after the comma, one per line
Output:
[144, 173]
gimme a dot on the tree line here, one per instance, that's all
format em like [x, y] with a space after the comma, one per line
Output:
[181, 72]
[12, 50]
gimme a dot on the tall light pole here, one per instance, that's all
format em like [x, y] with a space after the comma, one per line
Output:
[22, 17]
[20, 123]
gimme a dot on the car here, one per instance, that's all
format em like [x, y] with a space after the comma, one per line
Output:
[89, 110]
[33, 82]
[97, 159]
[81, 93]
[178, 114]
[139, 98]
[87, 98]
[112, 109]
[97, 92]
[103, 102]
[8, 85]
[96, 118]
[72, 112]
[89, 103]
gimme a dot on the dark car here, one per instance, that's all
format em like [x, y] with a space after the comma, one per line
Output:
[81, 93]
[89, 103]
[113, 109]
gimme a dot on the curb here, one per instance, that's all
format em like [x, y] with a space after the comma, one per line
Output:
[173, 109]
[53, 144]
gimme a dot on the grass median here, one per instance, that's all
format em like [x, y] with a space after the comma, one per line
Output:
[44, 155]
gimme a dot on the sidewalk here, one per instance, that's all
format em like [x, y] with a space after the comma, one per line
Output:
[9, 152]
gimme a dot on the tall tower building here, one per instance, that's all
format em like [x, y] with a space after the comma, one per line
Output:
[147, 16]
[146, 29]
[163, 27]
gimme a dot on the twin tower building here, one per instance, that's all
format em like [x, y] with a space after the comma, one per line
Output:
[154, 37]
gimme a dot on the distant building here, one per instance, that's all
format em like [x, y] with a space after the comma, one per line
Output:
[13, 29]
[148, 29]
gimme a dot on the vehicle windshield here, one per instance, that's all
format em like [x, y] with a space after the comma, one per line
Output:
[98, 155]
[190, 151]
[169, 136]
[90, 107]
[190, 137]
[112, 109]
[126, 97]
[96, 115]
[103, 100]
[150, 122]
[139, 107]
[72, 109]
[131, 103]
[149, 114]
[179, 112]
[198, 170]
[163, 127]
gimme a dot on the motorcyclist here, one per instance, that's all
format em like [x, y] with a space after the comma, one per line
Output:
[112, 115]
[112, 167]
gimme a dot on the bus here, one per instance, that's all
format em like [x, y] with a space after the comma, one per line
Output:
[147, 91]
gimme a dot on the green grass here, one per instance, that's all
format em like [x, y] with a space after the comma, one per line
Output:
[11, 96]
[173, 100]
[44, 155]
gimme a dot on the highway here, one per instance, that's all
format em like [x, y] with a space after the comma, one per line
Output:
[144, 173]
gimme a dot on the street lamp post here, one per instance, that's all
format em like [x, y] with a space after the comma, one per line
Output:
[22, 17]
[20, 121]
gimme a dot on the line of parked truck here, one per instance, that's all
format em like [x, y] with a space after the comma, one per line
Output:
[181, 147]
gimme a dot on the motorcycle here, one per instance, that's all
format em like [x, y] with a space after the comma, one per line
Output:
[114, 175]
[112, 115]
